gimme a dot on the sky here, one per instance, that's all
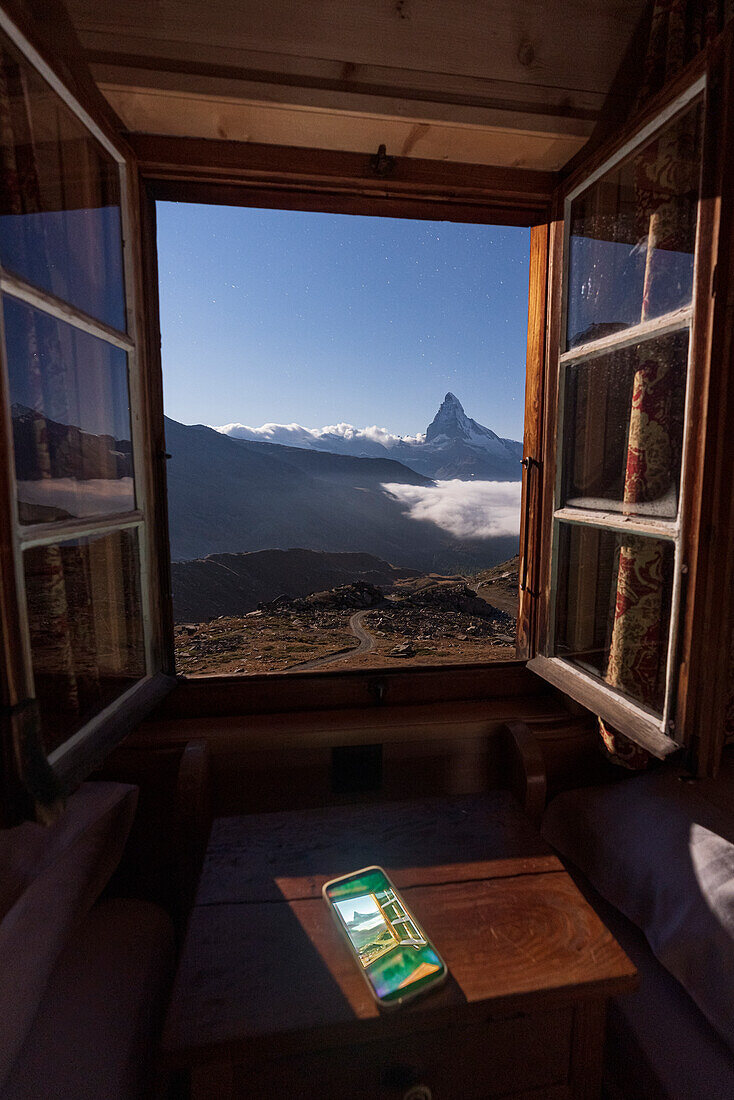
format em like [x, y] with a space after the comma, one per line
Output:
[317, 319]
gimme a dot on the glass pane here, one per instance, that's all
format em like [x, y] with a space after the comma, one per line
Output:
[632, 235]
[623, 428]
[71, 418]
[86, 627]
[613, 608]
[60, 223]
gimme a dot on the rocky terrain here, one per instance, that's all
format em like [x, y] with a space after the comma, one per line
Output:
[226, 584]
[429, 619]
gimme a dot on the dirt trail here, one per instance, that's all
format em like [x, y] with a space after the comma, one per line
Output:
[357, 630]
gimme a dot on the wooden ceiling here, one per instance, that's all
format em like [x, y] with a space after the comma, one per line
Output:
[496, 82]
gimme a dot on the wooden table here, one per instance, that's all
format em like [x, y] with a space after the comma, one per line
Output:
[268, 1001]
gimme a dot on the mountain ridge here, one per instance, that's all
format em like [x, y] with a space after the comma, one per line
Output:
[453, 446]
[227, 497]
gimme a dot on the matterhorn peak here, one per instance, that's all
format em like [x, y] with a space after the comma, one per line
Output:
[450, 421]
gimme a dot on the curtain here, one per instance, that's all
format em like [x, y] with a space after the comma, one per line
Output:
[679, 30]
[58, 591]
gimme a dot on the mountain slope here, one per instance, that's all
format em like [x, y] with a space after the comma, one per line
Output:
[228, 497]
[233, 584]
[454, 445]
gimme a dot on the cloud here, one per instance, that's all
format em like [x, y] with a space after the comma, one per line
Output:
[80, 497]
[466, 509]
[333, 437]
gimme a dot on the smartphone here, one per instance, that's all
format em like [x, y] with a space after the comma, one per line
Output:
[393, 953]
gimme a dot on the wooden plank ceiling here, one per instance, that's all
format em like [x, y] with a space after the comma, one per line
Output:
[499, 82]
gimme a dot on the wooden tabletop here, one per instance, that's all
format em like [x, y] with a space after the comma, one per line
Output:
[264, 964]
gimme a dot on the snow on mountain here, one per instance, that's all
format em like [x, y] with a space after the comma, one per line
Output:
[370, 442]
[454, 445]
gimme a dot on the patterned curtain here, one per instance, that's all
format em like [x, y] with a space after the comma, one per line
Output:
[52, 574]
[679, 29]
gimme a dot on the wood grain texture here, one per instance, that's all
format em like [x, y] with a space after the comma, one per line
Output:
[271, 857]
[531, 509]
[475, 1062]
[498, 685]
[350, 725]
[549, 423]
[149, 352]
[525, 769]
[406, 60]
[511, 944]
[441, 37]
[234, 162]
[189, 115]
[247, 173]
[491, 84]
[708, 535]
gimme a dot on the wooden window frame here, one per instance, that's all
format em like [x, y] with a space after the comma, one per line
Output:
[73, 758]
[693, 646]
[274, 177]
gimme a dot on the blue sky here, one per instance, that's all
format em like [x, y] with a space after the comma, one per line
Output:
[281, 316]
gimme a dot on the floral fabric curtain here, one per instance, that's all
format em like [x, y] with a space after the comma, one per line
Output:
[679, 30]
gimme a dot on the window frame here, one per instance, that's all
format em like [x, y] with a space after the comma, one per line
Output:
[228, 173]
[72, 758]
[709, 75]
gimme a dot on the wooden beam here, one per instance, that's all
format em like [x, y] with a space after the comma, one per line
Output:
[201, 170]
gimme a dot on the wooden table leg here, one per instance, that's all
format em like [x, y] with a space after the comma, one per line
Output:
[587, 1050]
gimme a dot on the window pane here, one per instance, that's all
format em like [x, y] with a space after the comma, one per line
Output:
[86, 627]
[623, 428]
[60, 223]
[632, 235]
[613, 608]
[71, 418]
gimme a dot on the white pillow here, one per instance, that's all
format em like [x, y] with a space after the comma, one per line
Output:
[50, 877]
[664, 856]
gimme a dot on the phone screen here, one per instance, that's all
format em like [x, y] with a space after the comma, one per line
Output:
[397, 958]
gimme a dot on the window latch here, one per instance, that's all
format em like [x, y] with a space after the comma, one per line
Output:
[381, 164]
[529, 463]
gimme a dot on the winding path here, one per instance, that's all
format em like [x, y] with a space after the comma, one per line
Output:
[363, 636]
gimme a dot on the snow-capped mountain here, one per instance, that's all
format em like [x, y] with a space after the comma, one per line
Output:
[454, 445]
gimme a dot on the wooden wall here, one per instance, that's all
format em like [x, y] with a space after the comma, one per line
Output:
[505, 82]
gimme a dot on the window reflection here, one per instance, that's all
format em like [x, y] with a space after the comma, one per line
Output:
[632, 235]
[71, 418]
[623, 416]
[86, 627]
[613, 608]
[60, 223]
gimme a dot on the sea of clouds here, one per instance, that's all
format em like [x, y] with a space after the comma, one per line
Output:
[80, 497]
[466, 509]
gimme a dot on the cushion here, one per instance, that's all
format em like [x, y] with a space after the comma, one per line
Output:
[683, 1060]
[94, 1035]
[658, 851]
[49, 878]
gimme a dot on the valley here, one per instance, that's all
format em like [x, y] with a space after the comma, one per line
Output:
[370, 562]
[422, 620]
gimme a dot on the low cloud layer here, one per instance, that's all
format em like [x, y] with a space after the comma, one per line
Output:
[466, 509]
[79, 497]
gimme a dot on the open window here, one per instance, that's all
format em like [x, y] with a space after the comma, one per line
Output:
[621, 466]
[79, 636]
